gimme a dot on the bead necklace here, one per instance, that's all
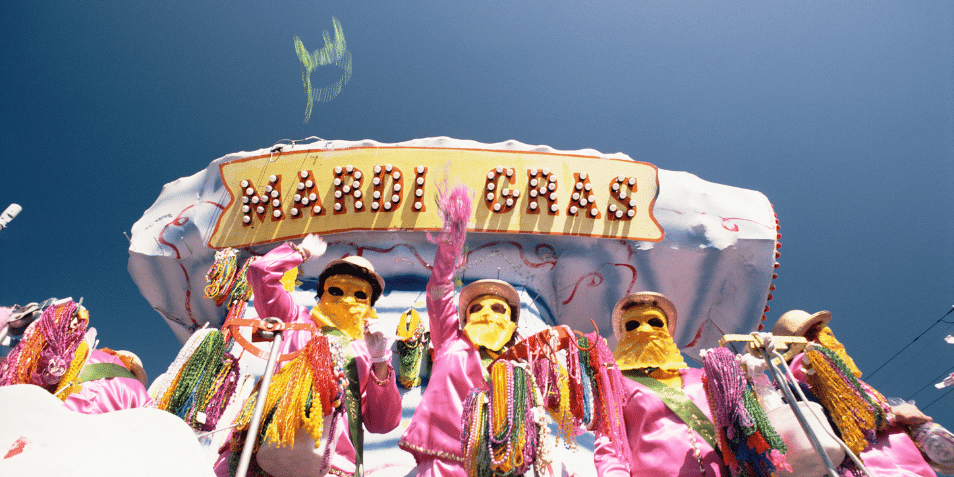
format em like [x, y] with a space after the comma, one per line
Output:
[748, 438]
[222, 394]
[61, 328]
[221, 276]
[197, 373]
[842, 394]
[68, 384]
[610, 396]
[241, 291]
[160, 387]
[302, 393]
[410, 344]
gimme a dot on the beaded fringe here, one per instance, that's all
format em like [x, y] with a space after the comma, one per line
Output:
[749, 443]
[857, 413]
[301, 395]
[504, 429]
[48, 349]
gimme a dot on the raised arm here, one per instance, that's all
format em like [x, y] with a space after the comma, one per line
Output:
[265, 274]
[441, 310]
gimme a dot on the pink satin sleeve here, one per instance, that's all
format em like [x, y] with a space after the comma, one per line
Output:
[110, 394]
[893, 455]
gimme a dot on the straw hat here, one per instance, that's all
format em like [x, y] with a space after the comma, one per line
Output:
[355, 266]
[489, 287]
[135, 366]
[798, 322]
[644, 298]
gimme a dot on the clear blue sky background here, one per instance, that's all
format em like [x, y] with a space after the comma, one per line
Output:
[842, 113]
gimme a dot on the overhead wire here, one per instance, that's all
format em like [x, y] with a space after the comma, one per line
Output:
[916, 354]
[936, 379]
[938, 399]
[912, 342]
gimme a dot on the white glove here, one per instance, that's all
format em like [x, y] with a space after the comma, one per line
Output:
[378, 343]
[312, 246]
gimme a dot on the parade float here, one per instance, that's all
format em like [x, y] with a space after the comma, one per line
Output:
[572, 231]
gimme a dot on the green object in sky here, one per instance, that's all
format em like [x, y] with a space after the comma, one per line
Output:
[333, 53]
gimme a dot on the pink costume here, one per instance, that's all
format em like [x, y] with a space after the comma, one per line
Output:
[662, 443]
[893, 455]
[433, 436]
[380, 403]
[107, 394]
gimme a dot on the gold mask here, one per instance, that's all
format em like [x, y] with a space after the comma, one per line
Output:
[488, 322]
[646, 342]
[827, 339]
[345, 304]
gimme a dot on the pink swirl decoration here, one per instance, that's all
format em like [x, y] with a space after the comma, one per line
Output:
[596, 279]
[543, 263]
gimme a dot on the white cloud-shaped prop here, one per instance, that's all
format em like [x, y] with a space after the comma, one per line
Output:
[40, 437]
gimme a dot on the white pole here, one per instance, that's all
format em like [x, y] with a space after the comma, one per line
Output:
[783, 384]
[252, 435]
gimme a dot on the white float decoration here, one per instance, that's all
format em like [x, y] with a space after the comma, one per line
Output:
[573, 231]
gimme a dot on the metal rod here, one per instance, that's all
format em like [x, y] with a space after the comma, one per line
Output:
[250, 438]
[783, 383]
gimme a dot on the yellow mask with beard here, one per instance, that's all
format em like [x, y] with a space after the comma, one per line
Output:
[488, 322]
[645, 341]
[345, 304]
[827, 339]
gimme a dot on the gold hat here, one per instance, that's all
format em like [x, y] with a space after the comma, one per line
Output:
[644, 298]
[489, 287]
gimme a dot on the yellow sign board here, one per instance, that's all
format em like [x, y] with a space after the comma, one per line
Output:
[285, 195]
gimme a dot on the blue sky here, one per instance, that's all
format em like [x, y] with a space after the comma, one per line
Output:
[841, 114]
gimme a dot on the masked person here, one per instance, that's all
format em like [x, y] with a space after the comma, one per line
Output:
[894, 453]
[667, 416]
[111, 381]
[467, 336]
[347, 290]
